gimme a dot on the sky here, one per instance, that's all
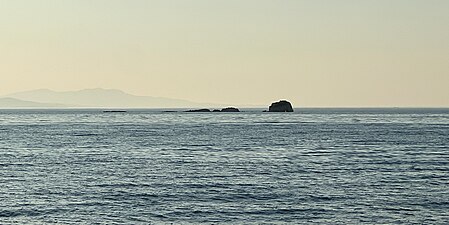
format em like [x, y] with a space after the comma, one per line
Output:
[316, 53]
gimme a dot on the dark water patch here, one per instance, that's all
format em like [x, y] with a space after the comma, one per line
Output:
[30, 212]
[85, 135]
[123, 185]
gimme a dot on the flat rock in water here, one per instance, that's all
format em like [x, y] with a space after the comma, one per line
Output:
[198, 110]
[114, 111]
[230, 109]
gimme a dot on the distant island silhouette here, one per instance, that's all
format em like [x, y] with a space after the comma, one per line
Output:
[8, 102]
[228, 109]
[280, 106]
[112, 98]
[97, 97]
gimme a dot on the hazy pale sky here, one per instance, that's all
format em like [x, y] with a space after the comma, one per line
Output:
[314, 53]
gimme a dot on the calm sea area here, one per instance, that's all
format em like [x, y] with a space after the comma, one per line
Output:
[313, 166]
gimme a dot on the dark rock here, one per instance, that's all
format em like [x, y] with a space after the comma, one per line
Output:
[114, 111]
[216, 110]
[230, 109]
[198, 110]
[281, 106]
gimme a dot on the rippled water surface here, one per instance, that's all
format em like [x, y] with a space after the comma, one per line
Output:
[324, 166]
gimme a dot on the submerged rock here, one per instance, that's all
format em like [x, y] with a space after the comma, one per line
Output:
[230, 109]
[281, 106]
[114, 111]
[198, 110]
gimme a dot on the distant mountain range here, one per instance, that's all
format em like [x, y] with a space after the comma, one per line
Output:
[17, 103]
[44, 98]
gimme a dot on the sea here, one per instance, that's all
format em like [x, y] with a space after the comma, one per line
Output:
[150, 166]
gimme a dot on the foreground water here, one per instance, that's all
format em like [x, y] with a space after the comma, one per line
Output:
[325, 166]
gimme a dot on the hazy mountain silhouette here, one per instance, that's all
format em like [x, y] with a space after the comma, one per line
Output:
[103, 98]
[17, 103]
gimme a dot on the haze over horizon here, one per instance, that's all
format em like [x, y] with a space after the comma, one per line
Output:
[314, 53]
[96, 97]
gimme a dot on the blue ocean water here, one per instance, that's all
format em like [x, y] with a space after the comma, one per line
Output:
[322, 166]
